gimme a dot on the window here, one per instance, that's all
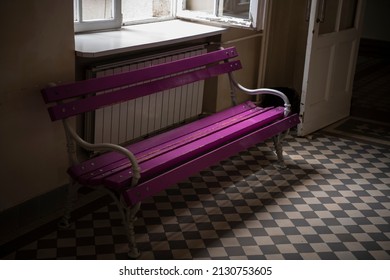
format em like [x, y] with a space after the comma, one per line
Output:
[135, 11]
[242, 13]
[96, 14]
[110, 14]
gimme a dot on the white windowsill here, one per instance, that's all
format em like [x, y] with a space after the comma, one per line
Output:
[142, 36]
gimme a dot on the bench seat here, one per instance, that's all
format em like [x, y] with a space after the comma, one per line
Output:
[168, 150]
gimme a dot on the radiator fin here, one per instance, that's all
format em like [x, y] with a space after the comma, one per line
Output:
[136, 118]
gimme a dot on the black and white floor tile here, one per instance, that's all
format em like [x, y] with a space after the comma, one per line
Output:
[333, 202]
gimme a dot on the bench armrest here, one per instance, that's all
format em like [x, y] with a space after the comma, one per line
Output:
[260, 91]
[106, 147]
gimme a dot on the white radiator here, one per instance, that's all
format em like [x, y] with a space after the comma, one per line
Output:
[139, 117]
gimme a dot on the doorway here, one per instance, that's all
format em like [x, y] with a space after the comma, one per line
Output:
[371, 89]
[312, 49]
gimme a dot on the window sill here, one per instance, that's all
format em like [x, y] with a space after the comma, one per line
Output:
[138, 37]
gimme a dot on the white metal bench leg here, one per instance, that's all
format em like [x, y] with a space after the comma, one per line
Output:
[71, 197]
[279, 150]
[131, 213]
[129, 216]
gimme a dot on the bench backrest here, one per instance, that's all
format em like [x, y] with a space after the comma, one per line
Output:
[105, 91]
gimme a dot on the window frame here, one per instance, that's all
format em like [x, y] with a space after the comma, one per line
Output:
[81, 25]
[257, 10]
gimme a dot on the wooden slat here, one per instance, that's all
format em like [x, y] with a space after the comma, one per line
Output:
[183, 171]
[77, 89]
[103, 160]
[187, 152]
[75, 107]
[95, 176]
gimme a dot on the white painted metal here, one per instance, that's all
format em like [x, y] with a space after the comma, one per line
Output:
[104, 147]
[329, 67]
[128, 213]
[262, 91]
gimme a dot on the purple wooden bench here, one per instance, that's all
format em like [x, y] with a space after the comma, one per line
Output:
[135, 172]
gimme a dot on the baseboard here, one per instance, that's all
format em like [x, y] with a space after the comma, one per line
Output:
[32, 214]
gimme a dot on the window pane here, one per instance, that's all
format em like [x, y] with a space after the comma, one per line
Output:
[206, 6]
[329, 15]
[233, 8]
[348, 12]
[133, 10]
[239, 13]
[236, 8]
[97, 9]
[162, 8]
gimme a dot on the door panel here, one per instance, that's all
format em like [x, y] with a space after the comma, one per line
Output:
[320, 78]
[327, 16]
[343, 71]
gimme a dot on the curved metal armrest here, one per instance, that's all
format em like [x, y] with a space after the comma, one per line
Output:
[260, 91]
[106, 147]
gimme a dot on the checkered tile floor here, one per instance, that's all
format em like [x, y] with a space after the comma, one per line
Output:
[333, 202]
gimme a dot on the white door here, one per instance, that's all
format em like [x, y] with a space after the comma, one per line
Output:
[331, 53]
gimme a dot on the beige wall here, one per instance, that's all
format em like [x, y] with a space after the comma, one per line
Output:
[248, 44]
[37, 47]
[287, 44]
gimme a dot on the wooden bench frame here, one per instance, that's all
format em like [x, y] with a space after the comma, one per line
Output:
[130, 176]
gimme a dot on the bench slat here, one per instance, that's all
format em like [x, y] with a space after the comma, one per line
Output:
[192, 126]
[76, 107]
[78, 89]
[171, 177]
[94, 177]
[101, 161]
[196, 148]
[105, 162]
